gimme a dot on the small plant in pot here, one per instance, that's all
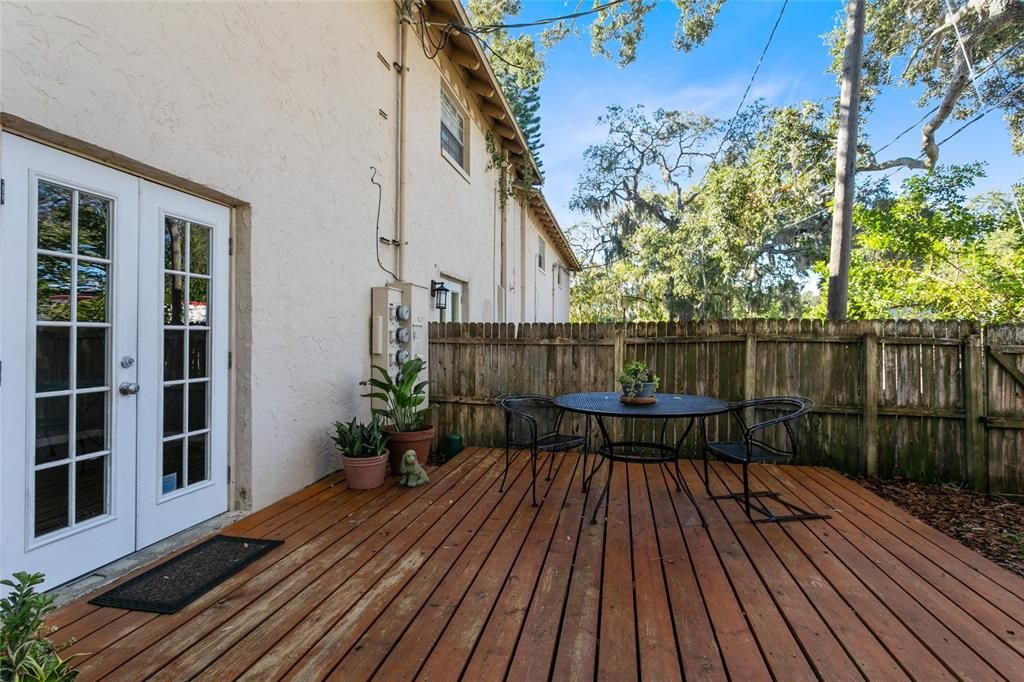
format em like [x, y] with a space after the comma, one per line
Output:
[362, 453]
[399, 399]
[638, 380]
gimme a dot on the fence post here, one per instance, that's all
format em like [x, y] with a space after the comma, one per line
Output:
[869, 433]
[619, 354]
[750, 367]
[974, 411]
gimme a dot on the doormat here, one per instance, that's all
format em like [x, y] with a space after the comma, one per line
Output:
[176, 583]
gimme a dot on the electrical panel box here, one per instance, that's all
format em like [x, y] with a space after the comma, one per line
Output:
[399, 315]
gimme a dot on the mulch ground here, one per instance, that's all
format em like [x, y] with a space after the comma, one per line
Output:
[991, 526]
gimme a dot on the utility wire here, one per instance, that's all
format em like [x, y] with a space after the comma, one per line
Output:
[993, 64]
[956, 132]
[492, 28]
[380, 198]
[746, 92]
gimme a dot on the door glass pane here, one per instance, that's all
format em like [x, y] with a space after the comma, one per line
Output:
[53, 289]
[51, 504]
[197, 406]
[53, 358]
[174, 410]
[198, 313]
[72, 356]
[54, 217]
[197, 353]
[92, 292]
[197, 463]
[93, 220]
[174, 299]
[52, 428]
[175, 231]
[173, 476]
[90, 423]
[199, 249]
[90, 488]
[92, 357]
[174, 354]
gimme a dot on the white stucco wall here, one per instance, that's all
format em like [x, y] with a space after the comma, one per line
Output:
[283, 106]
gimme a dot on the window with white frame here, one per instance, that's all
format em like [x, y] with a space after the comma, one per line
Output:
[455, 312]
[558, 275]
[453, 130]
[541, 252]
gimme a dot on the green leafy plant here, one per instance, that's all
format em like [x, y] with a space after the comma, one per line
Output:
[401, 395]
[26, 654]
[634, 375]
[359, 440]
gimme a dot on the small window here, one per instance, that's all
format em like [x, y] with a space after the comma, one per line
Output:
[541, 252]
[455, 312]
[453, 130]
[558, 275]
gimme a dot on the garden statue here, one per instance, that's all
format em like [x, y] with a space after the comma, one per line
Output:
[412, 473]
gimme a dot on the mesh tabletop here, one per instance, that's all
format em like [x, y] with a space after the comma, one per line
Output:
[666, 405]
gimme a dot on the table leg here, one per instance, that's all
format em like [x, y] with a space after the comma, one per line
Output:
[611, 462]
[679, 472]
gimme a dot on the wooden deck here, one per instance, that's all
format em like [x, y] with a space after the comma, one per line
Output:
[458, 579]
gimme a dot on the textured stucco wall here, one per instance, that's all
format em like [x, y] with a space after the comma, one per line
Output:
[279, 105]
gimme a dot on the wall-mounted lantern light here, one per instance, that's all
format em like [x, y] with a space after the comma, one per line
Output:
[440, 293]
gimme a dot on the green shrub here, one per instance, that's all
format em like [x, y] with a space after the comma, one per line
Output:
[26, 654]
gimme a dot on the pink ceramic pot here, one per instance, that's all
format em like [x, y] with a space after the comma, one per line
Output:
[365, 473]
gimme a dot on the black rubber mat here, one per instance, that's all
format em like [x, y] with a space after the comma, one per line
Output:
[174, 584]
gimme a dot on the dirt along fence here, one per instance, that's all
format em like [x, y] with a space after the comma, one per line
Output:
[931, 401]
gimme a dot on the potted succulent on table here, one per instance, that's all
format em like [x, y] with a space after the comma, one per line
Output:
[638, 381]
[363, 454]
[398, 403]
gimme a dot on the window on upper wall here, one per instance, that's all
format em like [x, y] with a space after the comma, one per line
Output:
[453, 130]
[558, 275]
[541, 252]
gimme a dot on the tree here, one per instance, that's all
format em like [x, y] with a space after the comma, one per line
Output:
[846, 161]
[735, 245]
[933, 253]
[967, 56]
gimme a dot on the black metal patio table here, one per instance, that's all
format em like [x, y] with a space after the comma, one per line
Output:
[667, 406]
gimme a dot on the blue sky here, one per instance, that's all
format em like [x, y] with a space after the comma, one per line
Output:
[710, 80]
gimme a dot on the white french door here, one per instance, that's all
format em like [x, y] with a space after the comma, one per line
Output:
[182, 442]
[97, 346]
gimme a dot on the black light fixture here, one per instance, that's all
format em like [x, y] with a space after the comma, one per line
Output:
[440, 293]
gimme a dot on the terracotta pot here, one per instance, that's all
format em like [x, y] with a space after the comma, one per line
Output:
[365, 473]
[400, 441]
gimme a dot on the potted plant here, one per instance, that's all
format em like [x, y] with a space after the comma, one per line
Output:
[638, 380]
[363, 454]
[399, 400]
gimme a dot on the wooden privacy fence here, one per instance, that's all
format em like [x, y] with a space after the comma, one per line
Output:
[931, 401]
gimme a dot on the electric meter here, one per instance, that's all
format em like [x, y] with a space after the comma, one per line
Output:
[402, 356]
[402, 313]
[402, 335]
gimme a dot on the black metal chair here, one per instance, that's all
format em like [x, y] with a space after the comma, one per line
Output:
[533, 421]
[772, 439]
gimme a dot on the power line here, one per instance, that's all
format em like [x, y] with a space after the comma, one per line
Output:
[993, 64]
[746, 92]
[956, 132]
[491, 28]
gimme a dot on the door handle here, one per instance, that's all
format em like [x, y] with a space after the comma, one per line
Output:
[128, 388]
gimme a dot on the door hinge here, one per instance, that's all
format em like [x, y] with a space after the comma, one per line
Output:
[229, 473]
[3, 191]
[229, 359]
[1, 372]
[231, 246]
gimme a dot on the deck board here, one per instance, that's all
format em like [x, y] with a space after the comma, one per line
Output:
[462, 579]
